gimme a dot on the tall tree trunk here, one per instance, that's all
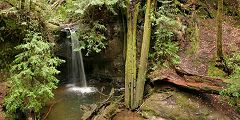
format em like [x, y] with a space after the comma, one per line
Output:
[130, 65]
[219, 30]
[144, 56]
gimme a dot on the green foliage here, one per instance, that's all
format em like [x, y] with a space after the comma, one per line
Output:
[193, 37]
[90, 16]
[92, 38]
[6, 55]
[75, 10]
[92, 30]
[32, 75]
[81, 7]
[232, 92]
[164, 48]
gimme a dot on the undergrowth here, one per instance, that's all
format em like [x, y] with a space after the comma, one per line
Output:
[232, 92]
[164, 48]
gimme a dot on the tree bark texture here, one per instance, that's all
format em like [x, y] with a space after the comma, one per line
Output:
[219, 30]
[130, 65]
[141, 78]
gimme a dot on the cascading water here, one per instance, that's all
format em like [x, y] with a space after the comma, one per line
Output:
[75, 65]
[76, 73]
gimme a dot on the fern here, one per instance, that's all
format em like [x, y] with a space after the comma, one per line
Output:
[164, 49]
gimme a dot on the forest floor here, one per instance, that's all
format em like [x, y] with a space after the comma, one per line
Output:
[197, 62]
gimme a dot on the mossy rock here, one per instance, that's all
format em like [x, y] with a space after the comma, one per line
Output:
[213, 71]
[178, 106]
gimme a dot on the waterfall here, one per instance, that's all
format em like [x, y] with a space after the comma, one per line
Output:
[76, 73]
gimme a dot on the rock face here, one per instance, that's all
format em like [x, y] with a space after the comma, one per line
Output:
[177, 105]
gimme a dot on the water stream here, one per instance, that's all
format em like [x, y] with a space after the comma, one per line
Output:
[76, 73]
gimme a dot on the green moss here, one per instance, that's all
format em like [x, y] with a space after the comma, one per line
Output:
[178, 106]
[148, 113]
[183, 101]
[214, 71]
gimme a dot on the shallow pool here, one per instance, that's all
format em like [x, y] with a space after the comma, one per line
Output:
[68, 99]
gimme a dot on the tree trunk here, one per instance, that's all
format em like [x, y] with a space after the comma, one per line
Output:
[130, 65]
[219, 30]
[144, 56]
[124, 32]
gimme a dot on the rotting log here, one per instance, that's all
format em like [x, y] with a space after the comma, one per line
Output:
[188, 80]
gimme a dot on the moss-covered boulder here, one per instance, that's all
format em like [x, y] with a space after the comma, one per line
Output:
[175, 105]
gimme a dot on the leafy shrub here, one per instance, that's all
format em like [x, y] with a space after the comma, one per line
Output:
[32, 75]
[232, 92]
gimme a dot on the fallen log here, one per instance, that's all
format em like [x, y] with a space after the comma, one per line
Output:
[188, 80]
